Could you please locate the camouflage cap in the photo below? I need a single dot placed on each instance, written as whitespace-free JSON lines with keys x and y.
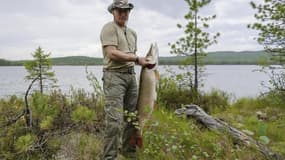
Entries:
{"x":120,"y":4}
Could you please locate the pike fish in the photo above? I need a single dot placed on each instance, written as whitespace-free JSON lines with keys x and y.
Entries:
{"x":147,"y":87}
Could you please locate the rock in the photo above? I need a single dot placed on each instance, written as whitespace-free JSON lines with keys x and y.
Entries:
{"x":261,"y":116}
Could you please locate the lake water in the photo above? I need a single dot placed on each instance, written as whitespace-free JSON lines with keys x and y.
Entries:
{"x":239,"y":80}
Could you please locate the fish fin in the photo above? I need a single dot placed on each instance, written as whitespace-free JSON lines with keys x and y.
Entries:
{"x":155,"y":106}
{"x":136,"y":140}
{"x":139,"y":142}
{"x":155,"y":97}
{"x":157,"y":76}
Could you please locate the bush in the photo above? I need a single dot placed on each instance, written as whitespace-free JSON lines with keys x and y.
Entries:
{"x":83,"y":115}
{"x":214,"y":100}
{"x":172,"y":96}
{"x":276,"y":89}
{"x":53,"y":116}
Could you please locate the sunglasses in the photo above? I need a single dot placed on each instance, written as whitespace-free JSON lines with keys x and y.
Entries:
{"x":122,"y":10}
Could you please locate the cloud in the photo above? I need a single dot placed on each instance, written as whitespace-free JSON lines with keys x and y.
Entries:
{"x":170,"y":8}
{"x":72,"y":27}
{"x":233,"y":16}
{"x":154,"y":27}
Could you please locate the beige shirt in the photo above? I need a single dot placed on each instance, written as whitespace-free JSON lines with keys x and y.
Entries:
{"x":124,"y":38}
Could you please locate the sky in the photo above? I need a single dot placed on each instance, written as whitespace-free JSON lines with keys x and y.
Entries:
{"x":72,"y":27}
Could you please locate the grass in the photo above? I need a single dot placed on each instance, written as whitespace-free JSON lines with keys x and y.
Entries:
{"x":166,"y":137}
{"x":172,"y":137}
{"x":243,"y":115}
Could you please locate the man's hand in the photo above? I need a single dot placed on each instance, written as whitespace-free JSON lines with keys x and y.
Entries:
{"x":117,"y":55}
{"x":143,"y":61}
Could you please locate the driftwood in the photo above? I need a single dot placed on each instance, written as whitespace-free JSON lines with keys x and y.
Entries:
{"x":215,"y":124}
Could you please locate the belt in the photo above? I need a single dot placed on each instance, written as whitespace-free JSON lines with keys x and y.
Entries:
{"x":129,"y":70}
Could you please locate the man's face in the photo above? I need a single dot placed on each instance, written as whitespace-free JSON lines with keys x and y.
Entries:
{"x":121,"y":16}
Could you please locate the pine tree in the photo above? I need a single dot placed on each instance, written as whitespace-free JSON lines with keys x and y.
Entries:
{"x":196,"y":39}
{"x":39,"y":68}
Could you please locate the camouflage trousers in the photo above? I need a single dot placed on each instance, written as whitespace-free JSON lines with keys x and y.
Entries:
{"x":121,"y":94}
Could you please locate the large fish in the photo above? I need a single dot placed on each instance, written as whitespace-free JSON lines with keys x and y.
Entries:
{"x":147,"y":87}
{"x":147,"y":93}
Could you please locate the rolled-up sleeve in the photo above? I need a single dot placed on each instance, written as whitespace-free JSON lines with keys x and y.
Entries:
{"x":109,"y":36}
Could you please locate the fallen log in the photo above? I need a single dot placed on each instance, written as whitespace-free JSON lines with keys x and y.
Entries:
{"x":215,"y":124}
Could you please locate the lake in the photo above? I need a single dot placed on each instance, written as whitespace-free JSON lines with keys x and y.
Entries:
{"x":238,"y":80}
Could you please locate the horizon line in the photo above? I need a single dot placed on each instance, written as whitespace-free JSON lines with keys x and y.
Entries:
{"x":170,"y":55}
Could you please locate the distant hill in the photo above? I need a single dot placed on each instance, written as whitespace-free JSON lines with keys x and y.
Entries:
{"x":225,"y":57}
{"x":71,"y":60}
{"x":217,"y":58}
{"x":244,"y":57}
{"x":4,"y":62}
{"x":77,"y":60}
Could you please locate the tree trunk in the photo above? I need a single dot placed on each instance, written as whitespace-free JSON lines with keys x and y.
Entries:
{"x":195,"y":55}
{"x":212,"y":123}
{"x":28,"y":113}
{"x":41,"y":76}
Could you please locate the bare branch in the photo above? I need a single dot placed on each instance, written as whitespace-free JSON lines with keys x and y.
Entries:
{"x":28,"y":113}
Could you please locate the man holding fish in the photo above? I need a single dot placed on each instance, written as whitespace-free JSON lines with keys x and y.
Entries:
{"x":119,"y":44}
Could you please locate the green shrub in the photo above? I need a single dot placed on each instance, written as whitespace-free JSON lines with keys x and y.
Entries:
{"x":172,"y":96}
{"x":83,"y":115}
{"x":24,"y":143}
{"x":214,"y":100}
{"x":53,"y":116}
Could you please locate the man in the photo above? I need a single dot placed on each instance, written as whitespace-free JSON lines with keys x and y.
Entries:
{"x":119,"y":45}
